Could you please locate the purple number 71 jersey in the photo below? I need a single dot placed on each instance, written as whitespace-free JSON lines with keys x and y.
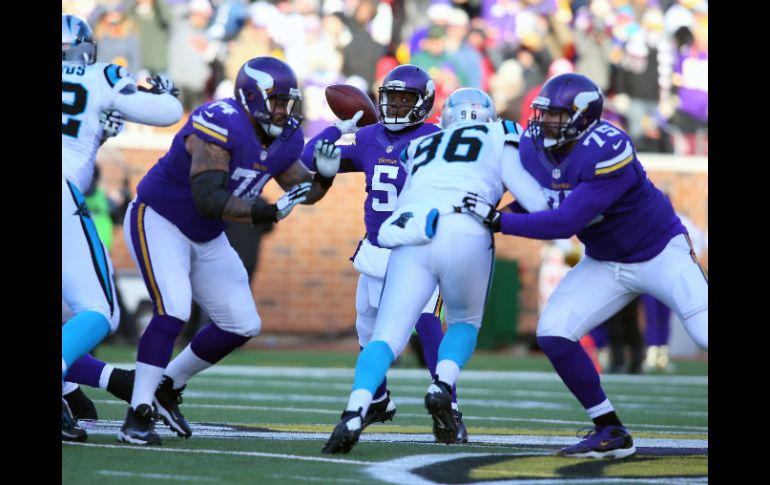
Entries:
{"x":375,"y":152}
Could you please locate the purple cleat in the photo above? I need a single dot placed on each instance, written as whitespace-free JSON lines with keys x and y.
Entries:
{"x":602,"y":442}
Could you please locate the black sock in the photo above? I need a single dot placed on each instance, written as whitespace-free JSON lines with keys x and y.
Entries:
{"x":609,"y":419}
{"x":121,"y":384}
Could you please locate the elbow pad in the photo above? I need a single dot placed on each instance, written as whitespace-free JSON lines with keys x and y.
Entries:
{"x":209,"y":192}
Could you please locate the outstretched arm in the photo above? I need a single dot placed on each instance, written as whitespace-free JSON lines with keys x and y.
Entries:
{"x":583,"y":205}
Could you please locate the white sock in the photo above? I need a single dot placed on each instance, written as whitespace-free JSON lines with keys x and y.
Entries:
{"x":146,"y":381}
{"x":68,"y":387}
{"x":360,"y":398}
{"x":104,"y":377}
{"x":603,"y":407}
{"x":184,"y":366}
{"x":447,"y":371}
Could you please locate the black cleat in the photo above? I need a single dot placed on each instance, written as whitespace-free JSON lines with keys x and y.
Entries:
{"x":438,"y":402}
{"x":69,"y":428}
{"x":462,"y":432}
{"x":121,"y":384}
{"x":139,"y":427}
{"x":380,"y":412}
{"x":166,"y":402}
{"x":81,"y":406}
{"x":345,"y":434}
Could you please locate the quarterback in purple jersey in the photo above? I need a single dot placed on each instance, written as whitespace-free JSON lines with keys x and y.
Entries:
{"x":635,"y":243}
{"x":217,"y":165}
{"x":405,"y":102}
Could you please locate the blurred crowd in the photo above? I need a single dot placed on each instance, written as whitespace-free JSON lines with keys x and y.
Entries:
{"x":649,"y":56}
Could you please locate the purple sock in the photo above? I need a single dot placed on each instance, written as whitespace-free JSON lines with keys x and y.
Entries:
{"x":212,"y":343}
{"x":86,"y":370}
{"x":430,"y":332}
{"x":157,"y":342}
{"x":575,"y":369}
{"x":657,"y":316}
{"x":601,"y":335}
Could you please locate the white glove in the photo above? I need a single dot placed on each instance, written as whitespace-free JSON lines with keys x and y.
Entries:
{"x":111,"y":123}
{"x":293,"y":196}
{"x":349,"y":126}
{"x":482,"y":210}
{"x":327,"y":157}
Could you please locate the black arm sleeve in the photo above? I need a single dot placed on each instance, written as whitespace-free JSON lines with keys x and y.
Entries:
{"x":209,"y":192}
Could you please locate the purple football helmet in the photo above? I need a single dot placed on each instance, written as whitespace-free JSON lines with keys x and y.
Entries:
{"x":578,"y":102}
{"x":406,"y":78}
{"x":267,"y":88}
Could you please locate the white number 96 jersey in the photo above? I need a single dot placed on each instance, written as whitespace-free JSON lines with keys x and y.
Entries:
{"x":468,"y":157}
{"x":86,"y":91}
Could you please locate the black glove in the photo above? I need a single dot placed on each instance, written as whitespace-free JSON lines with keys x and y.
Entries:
{"x":482,"y":210}
{"x":161,"y":85}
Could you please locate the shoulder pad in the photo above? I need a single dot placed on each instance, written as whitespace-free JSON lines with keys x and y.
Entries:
{"x":113,"y":73}
{"x":212,"y":123}
{"x":512,"y":132}
{"x":614,"y":157}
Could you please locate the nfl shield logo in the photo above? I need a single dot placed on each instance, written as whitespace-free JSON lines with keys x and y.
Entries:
{"x":389,"y":148}
{"x":263,"y":155}
{"x":556,"y":173}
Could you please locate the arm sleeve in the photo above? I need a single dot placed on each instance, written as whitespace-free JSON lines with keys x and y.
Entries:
{"x":521,"y":183}
{"x":582,"y":206}
{"x":146,"y":108}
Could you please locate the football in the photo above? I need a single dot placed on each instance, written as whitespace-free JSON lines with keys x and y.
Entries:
{"x":346,"y":100}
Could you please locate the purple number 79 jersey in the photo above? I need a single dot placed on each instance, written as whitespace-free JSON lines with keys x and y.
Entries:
{"x":375,"y":152}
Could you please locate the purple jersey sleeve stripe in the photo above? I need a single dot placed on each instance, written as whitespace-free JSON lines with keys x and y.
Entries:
{"x":210,"y":132}
{"x":585,"y":203}
{"x":615,"y":167}
{"x":139,"y":240}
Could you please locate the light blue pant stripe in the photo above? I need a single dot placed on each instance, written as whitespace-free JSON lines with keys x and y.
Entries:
{"x":373,"y":363}
{"x":458,"y":343}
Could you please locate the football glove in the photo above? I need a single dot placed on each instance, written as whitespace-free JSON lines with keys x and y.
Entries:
{"x":111,"y":123}
{"x":482,"y":210}
{"x":349,"y":126}
{"x":161,"y":85}
{"x":327,"y":158}
{"x":293,"y":196}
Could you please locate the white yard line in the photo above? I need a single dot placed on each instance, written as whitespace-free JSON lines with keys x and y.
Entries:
{"x":470,"y":375}
{"x":226,"y":432}
{"x":663,"y":428}
{"x":157,"y":476}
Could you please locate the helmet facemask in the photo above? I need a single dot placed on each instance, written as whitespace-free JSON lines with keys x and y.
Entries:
{"x":400,"y":108}
{"x":551,"y":128}
{"x":280,"y":113}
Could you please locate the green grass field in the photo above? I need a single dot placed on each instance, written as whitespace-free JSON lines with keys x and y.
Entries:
{"x":262,"y":417}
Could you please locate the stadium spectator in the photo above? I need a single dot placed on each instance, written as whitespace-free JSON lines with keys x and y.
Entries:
{"x":593,"y":41}
{"x":153,"y":20}
{"x":117,"y":39}
{"x":189,"y":56}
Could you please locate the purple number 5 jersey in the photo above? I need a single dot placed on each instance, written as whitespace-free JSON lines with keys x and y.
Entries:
{"x":375,"y":152}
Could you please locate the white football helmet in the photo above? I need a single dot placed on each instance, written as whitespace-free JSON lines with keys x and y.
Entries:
{"x":468,"y":104}
{"x":77,"y":41}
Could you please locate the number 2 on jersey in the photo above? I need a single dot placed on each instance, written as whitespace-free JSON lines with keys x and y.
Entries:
{"x":73,"y":108}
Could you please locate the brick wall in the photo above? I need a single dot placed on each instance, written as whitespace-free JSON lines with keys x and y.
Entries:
{"x":305,"y":282}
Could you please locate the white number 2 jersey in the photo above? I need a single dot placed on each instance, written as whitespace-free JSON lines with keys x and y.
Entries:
{"x":468,"y":157}
{"x":86,"y":90}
